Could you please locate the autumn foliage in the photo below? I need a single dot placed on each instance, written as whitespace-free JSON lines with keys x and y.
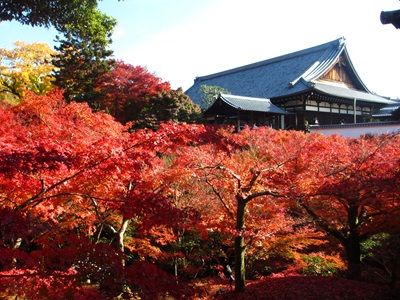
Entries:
{"x":70,"y":182}
{"x":133,"y":94}
{"x":127,"y":90}
{"x":26,"y":67}
{"x":92,"y":210}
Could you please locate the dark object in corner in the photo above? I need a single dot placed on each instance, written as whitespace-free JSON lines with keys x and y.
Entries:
{"x":391,"y":17}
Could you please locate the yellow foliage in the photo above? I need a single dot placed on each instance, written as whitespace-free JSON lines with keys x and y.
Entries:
{"x":26,"y":67}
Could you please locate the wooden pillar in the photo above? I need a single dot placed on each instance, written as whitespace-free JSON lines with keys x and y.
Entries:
{"x":355,"y":110}
{"x":238,"y":120}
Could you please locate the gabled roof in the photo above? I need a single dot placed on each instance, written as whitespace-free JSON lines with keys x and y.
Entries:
{"x":243,"y":104}
{"x":285,"y":75}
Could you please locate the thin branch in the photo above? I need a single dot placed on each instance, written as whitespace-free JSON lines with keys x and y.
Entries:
{"x":36,"y":198}
{"x":321,"y":223}
{"x":9,"y":200}
{"x":220,"y":198}
{"x":96,"y":209}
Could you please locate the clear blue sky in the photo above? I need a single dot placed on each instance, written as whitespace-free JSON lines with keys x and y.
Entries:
{"x":180,"y":39}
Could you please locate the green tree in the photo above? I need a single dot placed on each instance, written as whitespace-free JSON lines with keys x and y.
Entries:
{"x":48,"y":13}
{"x":86,"y":35}
{"x":84,"y":56}
{"x":169,"y":105}
{"x":209,"y":94}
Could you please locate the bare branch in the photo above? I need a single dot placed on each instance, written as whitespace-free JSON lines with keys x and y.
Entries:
{"x":221,"y":199}
{"x":320,"y":222}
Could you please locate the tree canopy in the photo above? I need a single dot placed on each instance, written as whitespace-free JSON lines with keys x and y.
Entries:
{"x":84,"y":56}
{"x":26,"y":67}
{"x":168,"y":106}
{"x":125,"y":92}
{"x":133,"y":94}
{"x":57,"y":13}
{"x":210,"y":93}
{"x":90,"y":209}
{"x":85,"y":35}
{"x":50,"y":146}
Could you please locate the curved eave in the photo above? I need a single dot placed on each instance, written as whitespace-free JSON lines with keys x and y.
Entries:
{"x":350,"y":94}
{"x":388,"y":111}
{"x":240,"y":103}
{"x":327,"y":62}
{"x":230,"y":103}
{"x":323,"y":65}
{"x":355,"y":74}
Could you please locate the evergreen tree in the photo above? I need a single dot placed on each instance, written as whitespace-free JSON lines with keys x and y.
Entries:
{"x":84,"y":57}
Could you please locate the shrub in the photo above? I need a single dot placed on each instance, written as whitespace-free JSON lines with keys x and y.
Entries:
{"x":320,"y":265}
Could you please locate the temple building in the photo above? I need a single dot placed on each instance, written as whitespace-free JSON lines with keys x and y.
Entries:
{"x":318,"y":84}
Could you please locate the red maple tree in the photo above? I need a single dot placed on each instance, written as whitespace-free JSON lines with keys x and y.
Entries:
{"x":349,"y":188}
{"x":72,"y":183}
{"x":83,"y":199}
{"x":127,"y":90}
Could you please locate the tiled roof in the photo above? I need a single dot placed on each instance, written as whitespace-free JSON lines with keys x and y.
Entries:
{"x":284,"y":75}
{"x":246,"y":104}
{"x":349,"y":93}
{"x":388,"y":111}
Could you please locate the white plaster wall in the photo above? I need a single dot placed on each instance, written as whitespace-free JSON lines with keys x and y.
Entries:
{"x":354,"y":131}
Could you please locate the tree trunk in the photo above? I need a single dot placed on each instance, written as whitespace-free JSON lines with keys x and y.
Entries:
{"x":240,"y":271}
{"x":352,"y":244}
{"x":120,"y":236}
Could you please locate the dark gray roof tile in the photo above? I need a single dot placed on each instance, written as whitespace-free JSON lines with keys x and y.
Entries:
{"x":350,"y":93}
{"x":286,"y":75}
{"x":270,"y":78}
{"x":388,"y":111}
{"x":249,"y":104}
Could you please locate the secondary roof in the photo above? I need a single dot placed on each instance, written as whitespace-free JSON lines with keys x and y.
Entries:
{"x":230,"y":103}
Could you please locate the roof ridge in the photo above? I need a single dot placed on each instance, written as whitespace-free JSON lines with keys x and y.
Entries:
{"x":224,"y":98}
{"x":273,"y":59}
{"x":244,"y":97}
{"x":248,"y":103}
